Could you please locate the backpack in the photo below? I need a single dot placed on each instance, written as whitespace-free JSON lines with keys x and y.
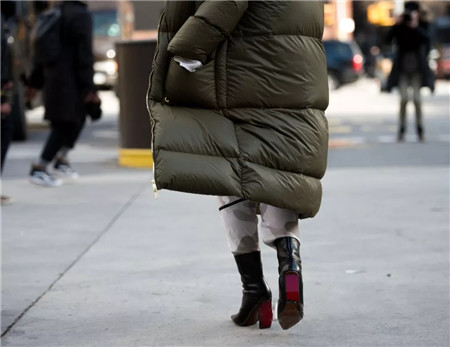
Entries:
{"x":47,"y":36}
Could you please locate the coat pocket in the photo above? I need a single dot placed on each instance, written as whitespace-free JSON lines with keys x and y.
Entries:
{"x":191,"y":89}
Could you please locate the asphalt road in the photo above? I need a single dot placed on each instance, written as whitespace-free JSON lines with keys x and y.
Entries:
{"x":364,"y":123}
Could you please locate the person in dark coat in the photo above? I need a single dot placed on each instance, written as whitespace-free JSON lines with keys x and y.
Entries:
{"x":6,"y":99}
{"x":68,"y":88}
{"x":410,"y":68}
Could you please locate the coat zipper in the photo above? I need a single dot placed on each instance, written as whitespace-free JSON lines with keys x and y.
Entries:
{"x":155,"y":188}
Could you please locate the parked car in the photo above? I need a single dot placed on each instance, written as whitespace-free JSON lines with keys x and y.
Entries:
{"x":442,"y":42}
{"x":344,"y":62}
{"x":443,"y":62}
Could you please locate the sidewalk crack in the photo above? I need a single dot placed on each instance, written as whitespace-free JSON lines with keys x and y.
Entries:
{"x":77,"y":259}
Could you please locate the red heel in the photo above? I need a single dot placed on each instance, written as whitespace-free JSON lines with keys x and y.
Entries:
{"x":292,"y":311}
{"x":291,"y":280}
{"x":265,"y":314}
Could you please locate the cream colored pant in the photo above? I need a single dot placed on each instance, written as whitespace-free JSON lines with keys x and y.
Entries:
{"x":407,"y":82}
{"x":240,"y":220}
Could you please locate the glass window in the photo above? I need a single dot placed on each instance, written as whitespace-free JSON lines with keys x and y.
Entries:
{"x":106,"y":23}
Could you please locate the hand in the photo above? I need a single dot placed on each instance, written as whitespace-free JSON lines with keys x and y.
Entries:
{"x":30,"y":94}
{"x":92,"y":98}
{"x":6,"y":108}
{"x":93,"y":106}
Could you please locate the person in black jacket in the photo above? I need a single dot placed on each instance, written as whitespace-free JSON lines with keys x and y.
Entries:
{"x":68,"y":89}
{"x":7,"y":126}
{"x":410,"y":68}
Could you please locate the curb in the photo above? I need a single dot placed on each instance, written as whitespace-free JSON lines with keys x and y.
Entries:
{"x":138,"y":158}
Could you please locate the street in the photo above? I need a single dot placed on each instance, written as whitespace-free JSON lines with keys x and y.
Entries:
{"x":103,"y":263}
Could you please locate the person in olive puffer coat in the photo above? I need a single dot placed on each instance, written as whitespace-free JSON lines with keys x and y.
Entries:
{"x":237,"y":96}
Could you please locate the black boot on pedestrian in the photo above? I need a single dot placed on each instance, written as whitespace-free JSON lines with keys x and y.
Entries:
{"x":290,"y":302}
{"x":257,"y":297}
{"x":401,"y":135}
{"x":420,"y":134}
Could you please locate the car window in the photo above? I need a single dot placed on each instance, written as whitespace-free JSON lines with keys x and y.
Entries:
{"x":442,"y":30}
{"x":106,"y":23}
{"x":337,"y":48}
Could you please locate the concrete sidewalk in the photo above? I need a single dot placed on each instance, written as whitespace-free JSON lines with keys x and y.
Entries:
{"x":102,"y":263}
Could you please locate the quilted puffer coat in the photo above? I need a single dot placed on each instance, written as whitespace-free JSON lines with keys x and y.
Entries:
{"x":250,"y":122}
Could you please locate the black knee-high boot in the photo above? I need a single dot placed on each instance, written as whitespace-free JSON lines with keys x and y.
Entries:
{"x":256,"y":296}
{"x":290,"y":303}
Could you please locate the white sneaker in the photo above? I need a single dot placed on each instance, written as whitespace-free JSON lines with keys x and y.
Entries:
{"x":63,"y":170}
{"x":41,"y":177}
{"x":6,"y":200}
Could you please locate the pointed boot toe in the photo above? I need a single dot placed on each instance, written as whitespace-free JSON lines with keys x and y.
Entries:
{"x":290,"y":303}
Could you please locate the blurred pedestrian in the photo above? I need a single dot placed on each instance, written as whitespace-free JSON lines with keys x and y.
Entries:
{"x":237,"y":96}
{"x":69,"y":91}
{"x":410,"y":69}
{"x":6,"y":100}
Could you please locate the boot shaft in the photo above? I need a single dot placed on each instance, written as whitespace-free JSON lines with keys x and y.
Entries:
{"x":288,"y":253}
{"x":250,"y":268}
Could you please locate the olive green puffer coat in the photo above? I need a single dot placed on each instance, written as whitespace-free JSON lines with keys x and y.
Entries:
{"x":250,"y":122}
